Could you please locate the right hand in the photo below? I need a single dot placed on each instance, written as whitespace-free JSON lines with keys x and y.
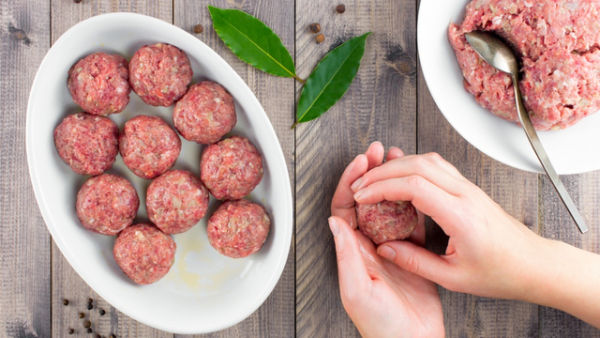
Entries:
{"x":489,"y":252}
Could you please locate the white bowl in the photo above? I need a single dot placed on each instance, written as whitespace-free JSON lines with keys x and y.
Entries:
{"x":572,"y":150}
{"x":204,"y":291}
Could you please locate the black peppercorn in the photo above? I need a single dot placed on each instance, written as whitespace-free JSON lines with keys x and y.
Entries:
{"x":102,"y":312}
{"x":65,"y":302}
{"x":315,"y":27}
{"x":198,"y":29}
{"x":90,"y":330}
{"x":81,"y":315}
{"x":87,"y":324}
{"x":341,"y":8}
{"x":71,"y":330}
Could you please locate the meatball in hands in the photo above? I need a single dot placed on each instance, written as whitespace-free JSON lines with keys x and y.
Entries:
{"x":381,"y":298}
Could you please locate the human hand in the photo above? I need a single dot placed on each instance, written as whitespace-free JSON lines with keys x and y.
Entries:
{"x":489,"y":252}
{"x":381,"y":299}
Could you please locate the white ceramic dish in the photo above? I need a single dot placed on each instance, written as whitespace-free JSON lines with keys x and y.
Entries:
{"x":573,"y":150}
{"x":204,"y":291}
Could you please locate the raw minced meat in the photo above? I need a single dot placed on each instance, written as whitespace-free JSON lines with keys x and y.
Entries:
{"x":87,"y":143}
{"x":176,"y":201}
{"x":99,"y":83}
{"x":107,"y":204}
{"x":160,"y":74}
{"x":231,"y":168}
{"x":144,"y":253}
{"x":238,"y":228}
{"x":149,"y":146}
{"x":205,"y":113}
{"x":387,"y":220}
{"x":559,"y":46}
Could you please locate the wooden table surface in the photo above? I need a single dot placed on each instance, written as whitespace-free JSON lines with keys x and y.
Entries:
{"x":388,"y":101}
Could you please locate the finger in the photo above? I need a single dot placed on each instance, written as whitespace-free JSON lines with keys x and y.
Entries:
{"x":428,"y":166}
{"x":418,"y":260}
{"x":428,"y":198}
{"x":394,"y":153}
{"x":342,"y":199}
{"x":352,"y":272}
{"x":375,"y":154}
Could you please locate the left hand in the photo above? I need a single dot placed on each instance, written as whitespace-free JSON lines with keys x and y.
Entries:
{"x":381,"y":299}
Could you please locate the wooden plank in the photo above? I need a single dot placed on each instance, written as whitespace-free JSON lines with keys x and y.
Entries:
{"x":24,"y":241}
{"x":557,"y":224}
{"x":65,"y":282}
{"x":514,"y":190}
{"x":275,"y":318}
{"x":380,"y":105}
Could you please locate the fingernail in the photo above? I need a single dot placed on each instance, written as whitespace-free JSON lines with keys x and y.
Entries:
{"x":357,"y":184}
{"x":358,"y":195}
{"x":333,"y":226}
{"x":386,"y":252}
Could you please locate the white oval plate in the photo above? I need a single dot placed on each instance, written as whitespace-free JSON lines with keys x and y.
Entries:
{"x":204,"y":291}
{"x":572,"y":150}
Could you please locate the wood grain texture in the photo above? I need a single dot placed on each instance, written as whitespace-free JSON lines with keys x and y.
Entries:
{"x":275,"y":318}
{"x":65,"y":282}
{"x":24,"y":241}
{"x":380,"y":105}
{"x":556,"y":223}
{"x":514,"y":190}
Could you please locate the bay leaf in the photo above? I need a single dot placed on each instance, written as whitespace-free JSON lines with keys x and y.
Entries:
{"x":252,"y":41}
{"x":330,"y":79}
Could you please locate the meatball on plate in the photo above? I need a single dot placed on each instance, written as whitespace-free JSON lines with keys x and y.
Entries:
{"x":149,"y":278}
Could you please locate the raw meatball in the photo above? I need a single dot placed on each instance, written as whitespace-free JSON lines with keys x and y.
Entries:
{"x":149,"y":146}
{"x":386,"y":221}
{"x":238,"y":228}
{"x":557,"y":42}
{"x":107,"y":204}
{"x":87,"y":143}
{"x":144,"y":253}
{"x":176,"y":201}
{"x":231,"y":169}
{"x":205,"y":113}
{"x":160,"y":74}
{"x":99,"y":83}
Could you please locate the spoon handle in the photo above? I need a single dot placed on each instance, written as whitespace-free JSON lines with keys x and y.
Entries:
{"x":545,"y":160}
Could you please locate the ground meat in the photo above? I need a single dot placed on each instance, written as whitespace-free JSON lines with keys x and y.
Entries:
{"x":144,"y":253}
{"x":107,"y":204}
{"x":231,"y":169}
{"x":149,"y":146}
{"x":205,"y":113}
{"x":238,"y":228}
{"x":160,"y":74}
{"x":176,"y":201}
{"x":386,"y":221}
{"x":99,"y":83}
{"x":559,"y":45}
{"x":87,"y":143}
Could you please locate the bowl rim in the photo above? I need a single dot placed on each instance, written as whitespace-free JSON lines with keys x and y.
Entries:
{"x":425,"y":60}
{"x":279,"y":156}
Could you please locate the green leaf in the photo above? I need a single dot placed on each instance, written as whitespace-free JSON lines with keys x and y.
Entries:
{"x":330,"y":79}
{"x":252,"y":41}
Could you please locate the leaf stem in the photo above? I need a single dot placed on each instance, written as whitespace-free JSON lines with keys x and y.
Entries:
{"x":294,"y":125}
{"x":299,"y":79}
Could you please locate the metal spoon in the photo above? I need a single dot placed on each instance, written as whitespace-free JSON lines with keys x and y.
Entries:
{"x":495,"y":52}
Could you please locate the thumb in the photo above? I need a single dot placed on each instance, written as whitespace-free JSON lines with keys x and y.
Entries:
{"x":418,"y":260}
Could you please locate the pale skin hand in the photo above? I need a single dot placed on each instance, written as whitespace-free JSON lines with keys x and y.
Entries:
{"x":489,"y":252}
{"x":381,"y":299}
